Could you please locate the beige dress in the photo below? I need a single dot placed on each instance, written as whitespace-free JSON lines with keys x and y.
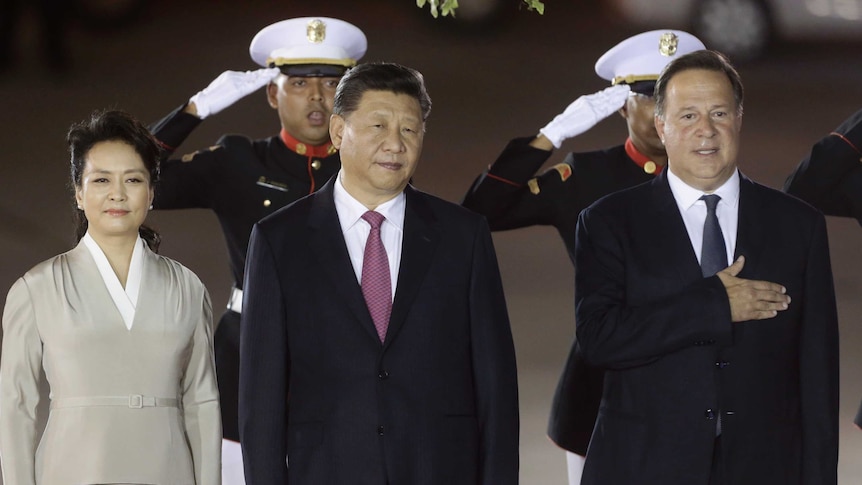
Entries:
{"x":135,"y":405}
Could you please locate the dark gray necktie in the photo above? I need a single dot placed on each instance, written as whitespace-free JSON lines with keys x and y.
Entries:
{"x":713,"y":254}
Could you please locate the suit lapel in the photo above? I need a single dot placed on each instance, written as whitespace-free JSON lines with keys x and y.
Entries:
{"x":750,"y":232}
{"x":670,"y":232}
{"x":420,"y":239}
{"x":328,"y":246}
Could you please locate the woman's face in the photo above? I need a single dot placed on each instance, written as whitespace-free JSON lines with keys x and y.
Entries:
{"x":115,"y":191}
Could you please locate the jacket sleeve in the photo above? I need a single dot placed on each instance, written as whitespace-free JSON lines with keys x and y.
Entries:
{"x":190,"y":181}
{"x":172,"y":130}
{"x":494,"y":369}
{"x":20,"y":371}
{"x":503,"y":192}
{"x":264,"y":369}
{"x":202,"y":418}
{"x":614,"y":334}
{"x":830,"y":177}
{"x":819,"y":365}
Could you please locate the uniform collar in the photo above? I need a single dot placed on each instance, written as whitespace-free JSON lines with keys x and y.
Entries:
{"x":319,"y":151}
{"x":642,"y":160}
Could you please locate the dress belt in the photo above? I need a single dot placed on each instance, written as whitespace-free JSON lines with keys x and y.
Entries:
{"x":234,"y":303}
{"x":134,"y":401}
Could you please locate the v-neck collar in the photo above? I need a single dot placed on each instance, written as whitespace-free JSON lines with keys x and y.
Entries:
{"x":125,"y":299}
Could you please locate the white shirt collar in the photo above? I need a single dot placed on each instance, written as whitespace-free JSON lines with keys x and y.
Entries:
{"x":686,"y":195}
{"x":350,"y":210}
{"x":125,"y":299}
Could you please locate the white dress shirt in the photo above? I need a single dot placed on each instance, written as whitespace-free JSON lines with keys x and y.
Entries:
{"x":125,"y":299}
{"x":693,"y":211}
{"x":356,"y":230}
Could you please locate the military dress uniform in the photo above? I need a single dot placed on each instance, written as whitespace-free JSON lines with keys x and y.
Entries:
{"x":830,"y":177}
{"x":241,"y":180}
{"x":510,"y":197}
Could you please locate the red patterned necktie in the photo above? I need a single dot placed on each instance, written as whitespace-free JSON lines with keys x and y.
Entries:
{"x":376,"y":280}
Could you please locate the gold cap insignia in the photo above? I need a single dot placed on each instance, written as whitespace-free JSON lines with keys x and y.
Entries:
{"x":667,"y":44}
{"x":315,"y":31}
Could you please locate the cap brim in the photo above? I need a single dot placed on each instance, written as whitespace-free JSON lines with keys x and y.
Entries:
{"x":312,"y":70}
{"x":647,"y":88}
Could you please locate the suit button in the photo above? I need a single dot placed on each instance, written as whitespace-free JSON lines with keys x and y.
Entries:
{"x":709,"y":414}
{"x":315,"y":164}
{"x":383,"y":375}
{"x":380,"y":430}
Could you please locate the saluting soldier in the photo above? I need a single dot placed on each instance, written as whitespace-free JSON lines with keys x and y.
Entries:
{"x":510,"y":195}
{"x":242,"y":180}
{"x":830,"y":177}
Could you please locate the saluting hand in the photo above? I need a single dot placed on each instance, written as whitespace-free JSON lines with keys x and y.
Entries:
{"x":228,"y":88}
{"x":752,"y":299}
{"x":584,"y":113}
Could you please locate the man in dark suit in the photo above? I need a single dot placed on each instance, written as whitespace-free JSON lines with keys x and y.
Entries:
{"x":375,"y":345}
{"x":511,"y":195}
{"x":716,"y":374}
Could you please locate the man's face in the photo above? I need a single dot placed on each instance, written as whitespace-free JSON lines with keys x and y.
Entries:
{"x":700,"y":128}
{"x":304,"y":105}
{"x":380,"y":144}
{"x":639,"y":112}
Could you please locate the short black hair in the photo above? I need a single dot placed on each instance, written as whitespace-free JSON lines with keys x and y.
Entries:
{"x":382,"y":76}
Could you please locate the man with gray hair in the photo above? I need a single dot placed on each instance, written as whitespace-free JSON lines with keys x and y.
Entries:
{"x":716,"y":373}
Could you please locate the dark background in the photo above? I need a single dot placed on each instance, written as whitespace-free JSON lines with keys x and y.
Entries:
{"x":487,"y":86}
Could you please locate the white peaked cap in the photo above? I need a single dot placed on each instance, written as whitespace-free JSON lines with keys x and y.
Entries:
{"x":643,"y":56}
{"x":308,"y":40}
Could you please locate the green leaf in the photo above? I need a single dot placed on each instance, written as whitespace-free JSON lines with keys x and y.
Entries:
{"x":536,"y":5}
{"x":449,"y":7}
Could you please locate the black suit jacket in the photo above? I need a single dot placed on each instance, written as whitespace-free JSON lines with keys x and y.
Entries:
{"x":675,"y":361}
{"x":435,"y":403}
{"x":511,"y":196}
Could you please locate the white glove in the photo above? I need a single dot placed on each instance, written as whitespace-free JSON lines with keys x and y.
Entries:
{"x":584,"y":113}
{"x":230,"y":87}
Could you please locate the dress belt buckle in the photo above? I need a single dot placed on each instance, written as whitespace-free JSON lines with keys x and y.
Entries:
{"x":136,"y":401}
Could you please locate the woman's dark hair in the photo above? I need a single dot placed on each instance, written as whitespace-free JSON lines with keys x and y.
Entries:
{"x":112,"y":125}
{"x":380,"y":76}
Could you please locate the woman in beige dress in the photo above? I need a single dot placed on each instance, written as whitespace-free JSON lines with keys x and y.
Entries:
{"x":122,"y":335}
